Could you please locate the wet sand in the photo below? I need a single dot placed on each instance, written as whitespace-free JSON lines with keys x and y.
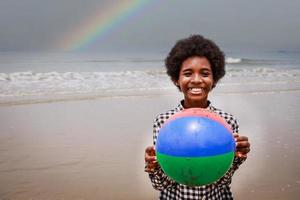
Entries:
{"x":93,"y":149}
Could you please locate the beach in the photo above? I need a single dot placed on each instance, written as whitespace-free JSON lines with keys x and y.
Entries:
{"x":93,"y":149}
{"x":75,"y":126}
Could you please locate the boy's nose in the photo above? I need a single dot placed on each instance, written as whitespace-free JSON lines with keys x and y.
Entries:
{"x":196,"y":78}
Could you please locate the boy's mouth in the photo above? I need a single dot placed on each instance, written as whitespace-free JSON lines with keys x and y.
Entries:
{"x":195,"y":90}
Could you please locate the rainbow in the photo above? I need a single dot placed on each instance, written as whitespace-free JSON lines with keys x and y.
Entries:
{"x":101,"y":24}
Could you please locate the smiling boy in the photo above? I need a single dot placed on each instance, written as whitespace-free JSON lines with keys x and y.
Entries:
{"x":195,"y":65}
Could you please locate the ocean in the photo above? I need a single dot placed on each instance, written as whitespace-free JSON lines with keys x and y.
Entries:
{"x":47,"y":77}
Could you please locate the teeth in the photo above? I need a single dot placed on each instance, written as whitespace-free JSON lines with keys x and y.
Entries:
{"x":196,"y":90}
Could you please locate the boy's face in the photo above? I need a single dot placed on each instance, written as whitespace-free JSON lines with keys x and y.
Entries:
{"x":195,"y":81}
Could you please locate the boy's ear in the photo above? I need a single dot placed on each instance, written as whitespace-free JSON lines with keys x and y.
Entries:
{"x":213,"y":86}
{"x":177,"y":85}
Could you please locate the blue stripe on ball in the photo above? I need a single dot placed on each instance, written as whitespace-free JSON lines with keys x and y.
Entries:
{"x":194,"y":137}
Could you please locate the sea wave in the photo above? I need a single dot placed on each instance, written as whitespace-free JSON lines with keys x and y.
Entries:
{"x":231,"y":60}
{"x":150,"y":76}
{"x":33,"y":86}
{"x":24,"y":84}
{"x":64,"y":76}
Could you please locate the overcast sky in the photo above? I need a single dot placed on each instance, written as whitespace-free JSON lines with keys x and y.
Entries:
{"x":37,"y":25}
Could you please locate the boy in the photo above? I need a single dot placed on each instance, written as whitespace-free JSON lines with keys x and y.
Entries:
{"x":195,"y":65}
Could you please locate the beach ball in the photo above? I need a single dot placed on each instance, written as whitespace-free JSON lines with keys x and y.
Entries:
{"x":195,"y":147}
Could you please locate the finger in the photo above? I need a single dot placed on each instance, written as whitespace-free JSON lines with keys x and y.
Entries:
{"x":243,"y":150}
{"x":150,"y":159}
{"x":241,"y":138}
{"x":150,"y":150}
{"x":149,"y":170}
{"x":240,"y":154}
{"x":235,"y":135}
{"x":242,"y":144}
{"x":150,"y":154}
{"x":150,"y":167}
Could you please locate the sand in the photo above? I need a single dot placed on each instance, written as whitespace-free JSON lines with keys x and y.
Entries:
{"x":93,"y":149}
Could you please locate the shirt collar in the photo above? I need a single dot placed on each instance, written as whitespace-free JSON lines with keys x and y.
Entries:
{"x":180,"y":106}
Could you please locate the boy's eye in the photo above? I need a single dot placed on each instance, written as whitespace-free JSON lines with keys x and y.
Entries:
{"x":205,"y":73}
{"x":187,"y":74}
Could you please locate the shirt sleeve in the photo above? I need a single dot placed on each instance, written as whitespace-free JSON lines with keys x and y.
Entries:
{"x":237,"y":161}
{"x":160,"y":181}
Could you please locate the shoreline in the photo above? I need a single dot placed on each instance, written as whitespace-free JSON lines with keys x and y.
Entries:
{"x":220,"y":90}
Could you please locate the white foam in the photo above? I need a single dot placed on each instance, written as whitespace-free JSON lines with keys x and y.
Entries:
{"x":54,"y":84}
{"x":231,"y":60}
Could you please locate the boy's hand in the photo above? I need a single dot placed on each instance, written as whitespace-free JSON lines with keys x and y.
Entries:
{"x":150,"y":159}
{"x":242,"y":146}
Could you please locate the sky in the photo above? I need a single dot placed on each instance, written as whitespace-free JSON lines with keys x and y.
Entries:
{"x":44,"y":25}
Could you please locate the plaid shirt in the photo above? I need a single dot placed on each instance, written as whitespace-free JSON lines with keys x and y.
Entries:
{"x":169,"y":189}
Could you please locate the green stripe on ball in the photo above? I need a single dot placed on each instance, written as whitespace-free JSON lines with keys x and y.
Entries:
{"x":195,"y":171}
